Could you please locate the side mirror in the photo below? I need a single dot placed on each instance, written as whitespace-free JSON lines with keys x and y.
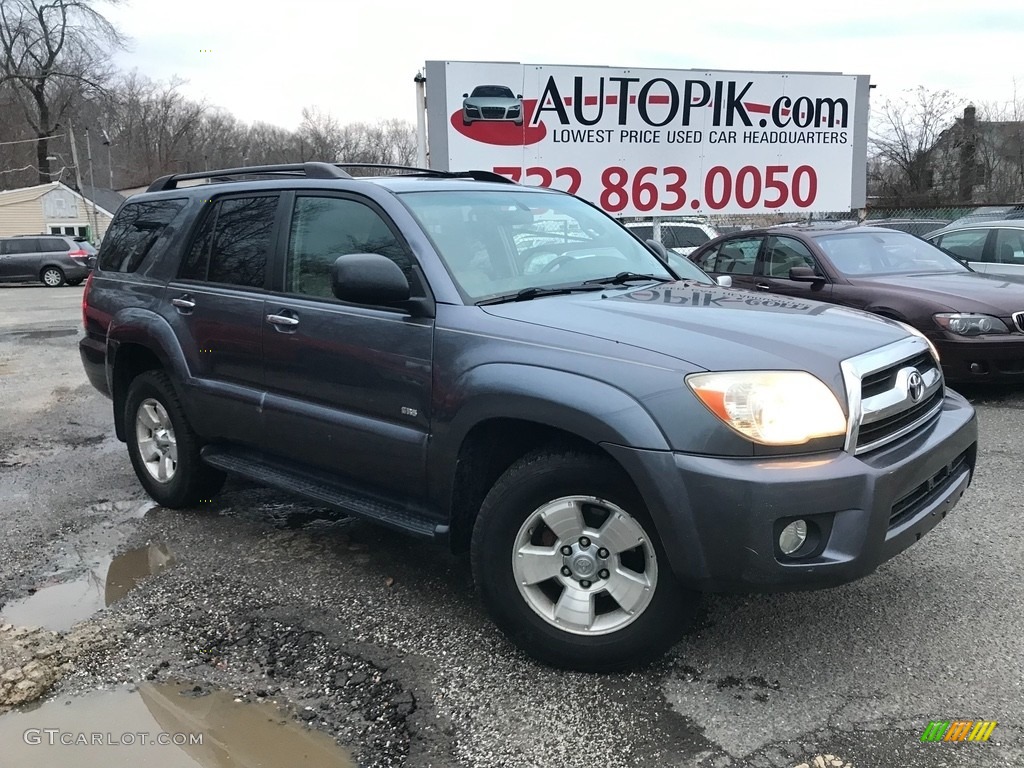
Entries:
{"x":725,"y":281}
{"x":465,"y":95}
{"x":805,"y":275}
{"x":368,"y":278}
{"x":91,"y":262}
{"x":659,"y":250}
{"x":519,"y":95}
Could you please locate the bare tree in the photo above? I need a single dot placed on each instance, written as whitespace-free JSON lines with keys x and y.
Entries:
{"x":905,"y":141}
{"x":52,"y":51}
{"x":389,"y":142}
{"x":1001,"y":148}
{"x":322,"y":134}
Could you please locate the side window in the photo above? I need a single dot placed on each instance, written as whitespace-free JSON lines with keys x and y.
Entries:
{"x":708,"y":260}
{"x":53,"y":244}
{"x":134,"y":231}
{"x":784,"y":253}
{"x":233,"y":244}
{"x":646,"y":232}
{"x":324,"y":228}
{"x":684,"y":237}
{"x":1009,"y":246}
{"x":21,"y":245}
{"x":737,"y":257}
{"x":967,"y":244}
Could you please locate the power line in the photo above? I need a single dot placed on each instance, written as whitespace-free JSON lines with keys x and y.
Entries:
{"x":32,"y":168}
{"x":31,"y":140}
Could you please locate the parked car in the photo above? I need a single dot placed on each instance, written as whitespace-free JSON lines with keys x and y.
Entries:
{"x":991,"y":213}
{"x":682,"y":237}
{"x":919,"y":227}
{"x":493,"y":103}
{"x":604,"y":435}
{"x":53,"y":260}
{"x":976,"y":321}
{"x":992,"y":247}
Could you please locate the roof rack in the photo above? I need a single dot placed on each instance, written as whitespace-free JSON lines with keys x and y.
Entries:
{"x":309,"y":170}
{"x":316,"y":170}
{"x":433,"y":172}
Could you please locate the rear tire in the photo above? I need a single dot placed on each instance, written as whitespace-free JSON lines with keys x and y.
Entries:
{"x":617,"y":606}
{"x":52,"y":277}
{"x":163,"y":447}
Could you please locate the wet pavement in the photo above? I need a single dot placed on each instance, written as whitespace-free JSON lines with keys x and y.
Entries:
{"x":379,"y":641}
{"x":170,"y":725}
{"x":61,"y":605}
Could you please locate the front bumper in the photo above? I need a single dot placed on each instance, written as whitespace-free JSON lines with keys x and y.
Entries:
{"x":982,"y":358}
{"x":719,"y":518}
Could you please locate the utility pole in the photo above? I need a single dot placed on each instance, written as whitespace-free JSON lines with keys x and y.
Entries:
{"x":74,"y":159}
{"x":92,"y":186}
{"x":110,"y":164}
{"x":421,"y":119}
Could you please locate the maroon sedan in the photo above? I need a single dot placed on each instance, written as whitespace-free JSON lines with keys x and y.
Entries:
{"x":976,"y":321}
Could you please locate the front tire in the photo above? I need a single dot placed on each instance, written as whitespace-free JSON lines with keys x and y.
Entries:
{"x":570,"y":566}
{"x":163,"y":447}
{"x":52,"y":277}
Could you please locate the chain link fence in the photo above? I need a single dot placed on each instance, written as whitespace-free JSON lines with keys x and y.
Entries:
{"x":925,"y":219}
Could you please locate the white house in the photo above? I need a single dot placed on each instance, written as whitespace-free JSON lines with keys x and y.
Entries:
{"x":56,"y":209}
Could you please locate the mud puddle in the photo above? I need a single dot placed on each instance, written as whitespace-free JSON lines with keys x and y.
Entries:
{"x":60,"y":606}
{"x":165,"y":725}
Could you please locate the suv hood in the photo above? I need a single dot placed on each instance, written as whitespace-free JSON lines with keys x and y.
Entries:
{"x":714,"y":328}
{"x":960,"y":291}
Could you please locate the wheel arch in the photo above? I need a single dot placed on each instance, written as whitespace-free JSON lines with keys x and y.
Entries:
{"x":504,"y":411}
{"x":139,"y":341}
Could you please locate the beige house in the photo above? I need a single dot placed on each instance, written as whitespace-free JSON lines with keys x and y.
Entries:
{"x":56,"y":209}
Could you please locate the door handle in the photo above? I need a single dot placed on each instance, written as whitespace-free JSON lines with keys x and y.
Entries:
{"x":184,"y":302}
{"x":763,"y":286}
{"x":283,"y":321}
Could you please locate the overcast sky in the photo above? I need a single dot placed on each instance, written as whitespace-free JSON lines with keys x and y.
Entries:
{"x":357,"y":58}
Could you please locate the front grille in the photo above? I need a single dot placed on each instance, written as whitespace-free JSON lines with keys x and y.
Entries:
{"x":895,"y":391}
{"x":885,"y":379}
{"x":493,"y":113}
{"x":924,"y":494}
{"x":877,"y":430}
{"x":1018,"y":320}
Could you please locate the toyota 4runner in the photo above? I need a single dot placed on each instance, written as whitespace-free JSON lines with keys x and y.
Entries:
{"x":508,"y":370}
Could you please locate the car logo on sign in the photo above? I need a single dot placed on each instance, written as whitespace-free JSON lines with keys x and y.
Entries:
{"x":915,"y":386}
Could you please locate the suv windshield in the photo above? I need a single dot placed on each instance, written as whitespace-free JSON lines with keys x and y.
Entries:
{"x":496,"y":242}
{"x":885,"y":253}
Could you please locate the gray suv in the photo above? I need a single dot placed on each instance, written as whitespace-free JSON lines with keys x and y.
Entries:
{"x":53,"y":260}
{"x":507,"y":371}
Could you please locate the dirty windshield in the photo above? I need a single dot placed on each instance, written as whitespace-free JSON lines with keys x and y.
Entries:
{"x":497,"y":242}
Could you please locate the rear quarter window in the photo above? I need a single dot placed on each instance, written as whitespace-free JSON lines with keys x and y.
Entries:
{"x":134,"y":232}
{"x":54,"y":244}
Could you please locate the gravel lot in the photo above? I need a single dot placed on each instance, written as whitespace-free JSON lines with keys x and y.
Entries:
{"x":379,"y":640}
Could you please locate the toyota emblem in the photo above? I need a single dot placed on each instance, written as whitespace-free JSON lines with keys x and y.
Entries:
{"x":915,"y":386}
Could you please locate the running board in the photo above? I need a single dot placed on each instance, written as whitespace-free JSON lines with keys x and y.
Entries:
{"x":323,"y":489}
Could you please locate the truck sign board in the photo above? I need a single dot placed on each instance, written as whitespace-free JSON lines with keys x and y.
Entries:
{"x":650,"y":142}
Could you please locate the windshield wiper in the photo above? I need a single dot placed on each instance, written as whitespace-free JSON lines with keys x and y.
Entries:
{"x":532,"y":293}
{"x":625,"y":277}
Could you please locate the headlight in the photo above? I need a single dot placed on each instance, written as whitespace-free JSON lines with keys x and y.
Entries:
{"x":970,"y":324}
{"x":771,"y":407}
{"x":912,"y":330}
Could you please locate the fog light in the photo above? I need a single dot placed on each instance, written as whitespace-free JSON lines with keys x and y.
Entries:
{"x":793,"y":537}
